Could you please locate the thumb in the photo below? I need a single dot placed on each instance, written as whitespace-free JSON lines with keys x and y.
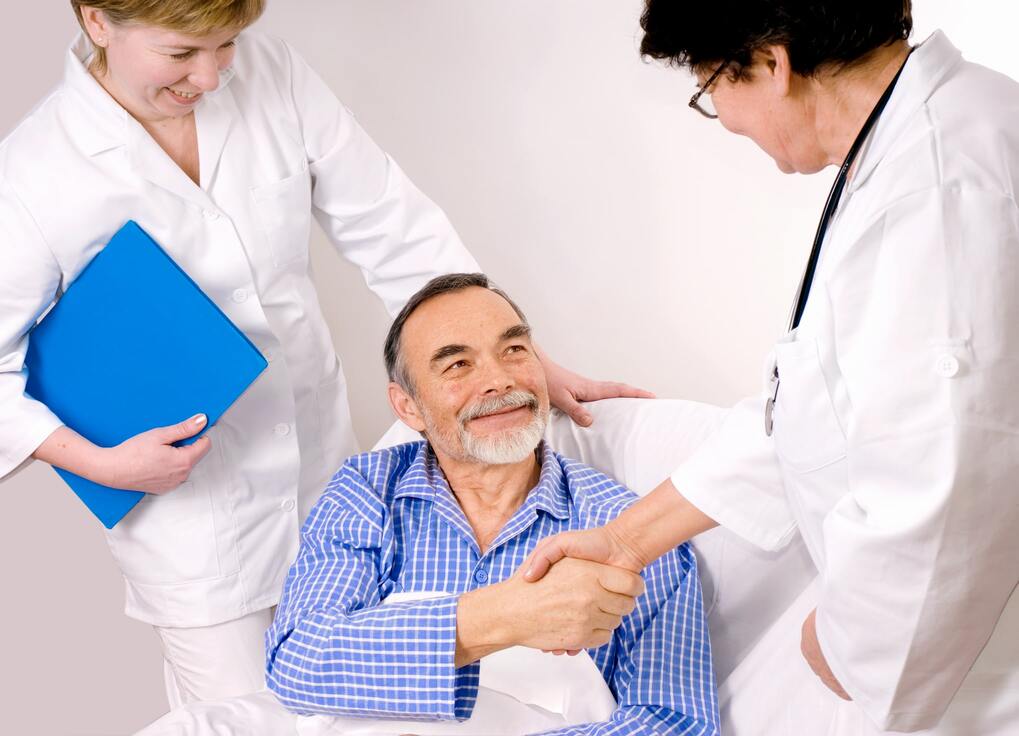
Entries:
{"x":197,"y":449}
{"x":182,"y":430}
{"x":547,"y":553}
{"x":574,"y":409}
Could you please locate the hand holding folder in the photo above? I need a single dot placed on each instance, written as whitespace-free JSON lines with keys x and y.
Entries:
{"x":134,"y":344}
{"x":159,"y":460}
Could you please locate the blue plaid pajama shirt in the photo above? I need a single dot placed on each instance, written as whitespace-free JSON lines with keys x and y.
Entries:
{"x":388,"y":522}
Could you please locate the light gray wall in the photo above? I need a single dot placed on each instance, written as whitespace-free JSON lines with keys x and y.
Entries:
{"x":645,"y":243}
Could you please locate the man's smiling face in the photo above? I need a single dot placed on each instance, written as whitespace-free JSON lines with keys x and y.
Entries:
{"x":478,"y":386}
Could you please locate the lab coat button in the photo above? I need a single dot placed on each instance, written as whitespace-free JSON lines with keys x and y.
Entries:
{"x":239,"y":296}
{"x":481,"y":575}
{"x":269,"y":354}
{"x":282,"y":429}
{"x":946,"y":366}
{"x":288,"y":504}
{"x":211,"y":215}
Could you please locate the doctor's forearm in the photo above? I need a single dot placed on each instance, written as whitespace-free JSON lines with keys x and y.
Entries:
{"x":68,"y":450}
{"x":659,"y":522}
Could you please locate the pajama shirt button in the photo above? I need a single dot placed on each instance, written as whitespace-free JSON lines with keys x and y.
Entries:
{"x":481,"y":576}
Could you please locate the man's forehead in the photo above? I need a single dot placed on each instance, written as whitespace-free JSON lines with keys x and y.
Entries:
{"x":460,"y":317}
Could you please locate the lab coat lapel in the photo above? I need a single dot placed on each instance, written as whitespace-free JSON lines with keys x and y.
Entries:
{"x":927,"y":66}
{"x":924,"y":72}
{"x":214,"y":118}
{"x":153,"y":163}
{"x":104,"y":123}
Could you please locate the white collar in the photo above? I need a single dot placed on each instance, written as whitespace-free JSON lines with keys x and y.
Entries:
{"x":103,"y":124}
{"x":923,"y":73}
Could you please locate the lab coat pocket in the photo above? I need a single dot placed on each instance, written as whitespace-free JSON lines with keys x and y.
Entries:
{"x":808,"y":435}
{"x":170,"y":538}
{"x":283,"y":210}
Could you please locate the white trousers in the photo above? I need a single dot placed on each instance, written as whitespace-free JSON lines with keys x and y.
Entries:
{"x":215,"y":662}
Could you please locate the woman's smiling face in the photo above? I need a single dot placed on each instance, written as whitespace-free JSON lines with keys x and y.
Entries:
{"x":156,"y":73}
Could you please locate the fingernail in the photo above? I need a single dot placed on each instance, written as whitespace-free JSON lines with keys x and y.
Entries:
{"x":199,"y":419}
{"x":528,"y":571}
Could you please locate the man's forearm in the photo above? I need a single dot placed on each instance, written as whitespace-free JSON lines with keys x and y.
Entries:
{"x":657,"y":523}
{"x":389,"y":660}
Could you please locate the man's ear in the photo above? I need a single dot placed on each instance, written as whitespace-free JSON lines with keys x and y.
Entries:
{"x":779,"y":68}
{"x":405,"y":407}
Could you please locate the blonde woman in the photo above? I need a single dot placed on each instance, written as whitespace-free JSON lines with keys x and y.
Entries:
{"x":221,"y":143}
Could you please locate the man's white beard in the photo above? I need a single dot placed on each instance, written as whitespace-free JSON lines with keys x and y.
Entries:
{"x":507,"y":447}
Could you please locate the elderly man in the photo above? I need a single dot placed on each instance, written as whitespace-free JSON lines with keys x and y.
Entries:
{"x":405,"y":585}
{"x":404,"y":612}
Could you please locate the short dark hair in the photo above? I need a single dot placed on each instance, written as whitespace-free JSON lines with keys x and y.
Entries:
{"x":395,"y":366}
{"x":817,"y":33}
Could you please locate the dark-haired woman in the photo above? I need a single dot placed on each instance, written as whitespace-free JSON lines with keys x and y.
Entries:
{"x":888,"y":433}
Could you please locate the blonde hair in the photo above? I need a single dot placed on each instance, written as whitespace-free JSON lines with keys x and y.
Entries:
{"x":193,"y":17}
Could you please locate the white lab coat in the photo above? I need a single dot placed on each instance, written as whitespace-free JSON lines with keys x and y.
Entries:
{"x":275,"y":146}
{"x":896,"y":439}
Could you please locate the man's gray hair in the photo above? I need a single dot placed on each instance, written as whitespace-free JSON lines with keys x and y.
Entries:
{"x":395,"y":365}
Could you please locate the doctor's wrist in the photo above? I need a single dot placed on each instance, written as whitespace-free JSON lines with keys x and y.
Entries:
{"x":627,"y":550}
{"x":103,"y":466}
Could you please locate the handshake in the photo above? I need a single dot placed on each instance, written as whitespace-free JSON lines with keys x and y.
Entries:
{"x":576,"y":605}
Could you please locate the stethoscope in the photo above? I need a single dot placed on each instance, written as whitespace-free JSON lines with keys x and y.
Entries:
{"x":832,"y":203}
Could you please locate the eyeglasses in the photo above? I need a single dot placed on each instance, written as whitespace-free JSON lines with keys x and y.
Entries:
{"x":707,"y":107}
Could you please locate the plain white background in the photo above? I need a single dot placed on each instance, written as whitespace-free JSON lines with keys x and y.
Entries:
{"x":645,"y":243}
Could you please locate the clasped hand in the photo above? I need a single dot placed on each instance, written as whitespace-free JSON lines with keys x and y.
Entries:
{"x":576,"y":605}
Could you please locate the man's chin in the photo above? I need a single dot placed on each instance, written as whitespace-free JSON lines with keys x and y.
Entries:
{"x":506,"y":447}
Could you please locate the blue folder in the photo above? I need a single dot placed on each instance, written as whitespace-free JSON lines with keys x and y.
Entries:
{"x":132,"y":345}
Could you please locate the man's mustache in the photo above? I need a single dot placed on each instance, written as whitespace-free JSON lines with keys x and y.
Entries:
{"x":512,"y":400}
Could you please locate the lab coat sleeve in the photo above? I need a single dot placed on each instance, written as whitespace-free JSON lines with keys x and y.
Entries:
{"x":29,"y":279}
{"x":921,"y":555}
{"x":371,"y":211}
{"x":333,"y":649}
{"x":734,"y":478}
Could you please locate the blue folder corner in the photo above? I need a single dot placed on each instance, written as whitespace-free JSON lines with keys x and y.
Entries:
{"x":132,"y":345}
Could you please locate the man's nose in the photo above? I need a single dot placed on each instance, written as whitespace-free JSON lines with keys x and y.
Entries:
{"x":496,"y":378}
